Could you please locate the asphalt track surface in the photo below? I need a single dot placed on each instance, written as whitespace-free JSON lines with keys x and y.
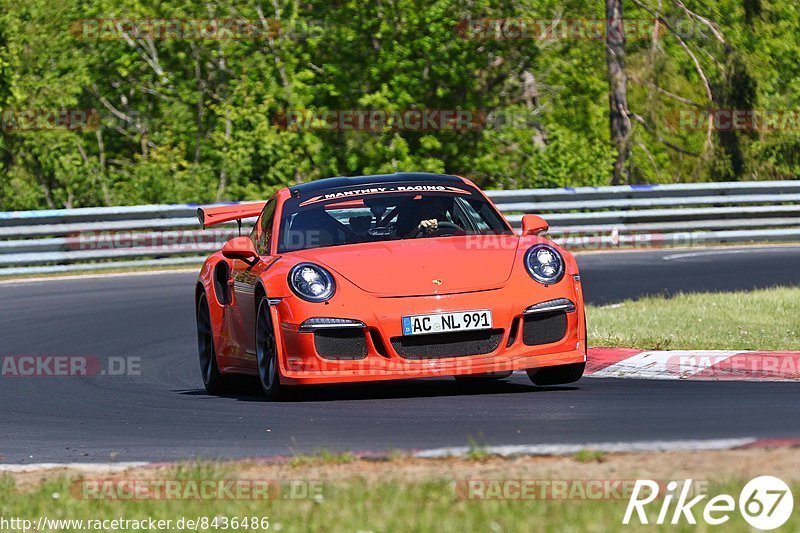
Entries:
{"x":164,"y":414}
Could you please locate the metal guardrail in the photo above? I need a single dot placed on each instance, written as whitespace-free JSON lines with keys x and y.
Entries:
{"x":63,"y":240}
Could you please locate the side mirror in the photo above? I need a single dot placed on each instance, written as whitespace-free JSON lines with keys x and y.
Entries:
{"x":240,"y":248}
{"x":534,"y":225}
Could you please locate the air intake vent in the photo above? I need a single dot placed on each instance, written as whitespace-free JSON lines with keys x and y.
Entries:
{"x":444,"y":345}
{"x":341,"y":343}
{"x":544,"y":328}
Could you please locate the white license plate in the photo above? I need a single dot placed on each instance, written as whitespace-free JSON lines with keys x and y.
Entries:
{"x":447,"y":322}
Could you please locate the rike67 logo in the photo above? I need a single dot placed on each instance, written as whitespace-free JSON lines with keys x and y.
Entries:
{"x":766,"y":503}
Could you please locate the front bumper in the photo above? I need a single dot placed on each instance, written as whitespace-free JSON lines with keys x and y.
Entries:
{"x":301,"y":362}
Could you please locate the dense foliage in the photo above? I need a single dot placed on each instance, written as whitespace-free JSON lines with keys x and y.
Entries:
{"x":187,"y":119}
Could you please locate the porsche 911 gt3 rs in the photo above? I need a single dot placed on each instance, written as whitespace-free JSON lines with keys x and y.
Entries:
{"x":394,"y":276}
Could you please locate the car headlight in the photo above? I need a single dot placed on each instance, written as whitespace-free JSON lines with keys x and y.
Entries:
{"x":544,"y":264}
{"x":311,"y":282}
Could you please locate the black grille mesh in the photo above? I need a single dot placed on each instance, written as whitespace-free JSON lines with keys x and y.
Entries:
{"x":544,"y":328}
{"x":341,"y":343}
{"x":444,"y":345}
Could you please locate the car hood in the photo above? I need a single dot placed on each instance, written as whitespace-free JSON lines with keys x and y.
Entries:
{"x":417,"y":267}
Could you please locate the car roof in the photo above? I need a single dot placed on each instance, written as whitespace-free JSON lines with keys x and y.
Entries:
{"x":356,"y":181}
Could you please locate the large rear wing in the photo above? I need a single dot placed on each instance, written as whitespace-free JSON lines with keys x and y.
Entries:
{"x":211,"y":216}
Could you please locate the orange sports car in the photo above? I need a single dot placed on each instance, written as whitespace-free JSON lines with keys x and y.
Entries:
{"x":393,"y":276}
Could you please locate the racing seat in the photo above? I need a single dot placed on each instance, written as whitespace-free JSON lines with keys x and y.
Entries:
{"x":360,"y":225}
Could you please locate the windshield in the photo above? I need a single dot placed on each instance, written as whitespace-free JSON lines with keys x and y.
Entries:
{"x":386,"y":213}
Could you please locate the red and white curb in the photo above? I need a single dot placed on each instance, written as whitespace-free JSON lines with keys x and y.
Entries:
{"x":693,"y":364}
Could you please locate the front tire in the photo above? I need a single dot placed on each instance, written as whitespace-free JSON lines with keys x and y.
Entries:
{"x":213,"y":380}
{"x":269,"y":374}
{"x":556,"y":375}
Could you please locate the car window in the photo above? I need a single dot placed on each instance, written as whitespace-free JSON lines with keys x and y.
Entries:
{"x":262,"y":233}
{"x":471,"y":210}
{"x":383,"y":214}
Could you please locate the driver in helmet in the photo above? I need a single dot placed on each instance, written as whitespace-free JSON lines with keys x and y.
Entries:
{"x":420,"y":216}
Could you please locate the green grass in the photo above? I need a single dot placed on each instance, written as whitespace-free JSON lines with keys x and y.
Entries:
{"x":425,"y":505}
{"x":478,"y":451}
{"x":756,"y":320}
{"x":323,"y":457}
{"x":589,"y":456}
